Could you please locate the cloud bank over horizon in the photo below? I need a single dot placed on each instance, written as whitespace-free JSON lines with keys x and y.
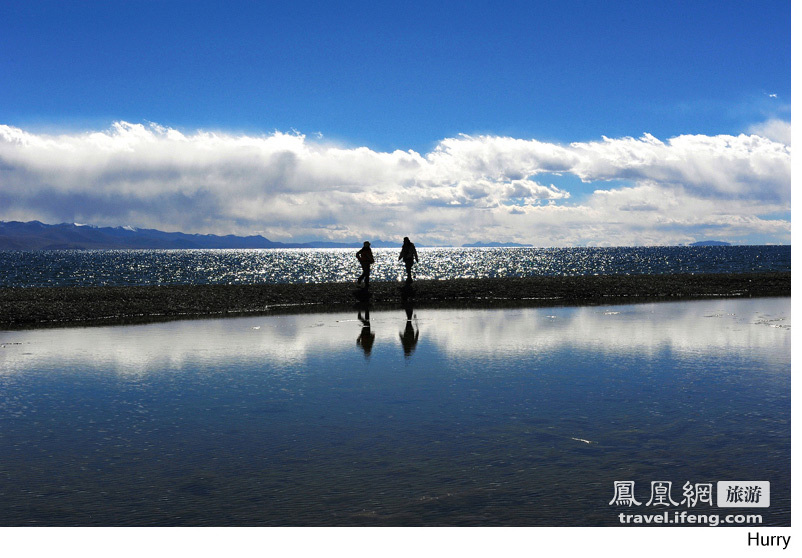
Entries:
{"x":285,"y":186}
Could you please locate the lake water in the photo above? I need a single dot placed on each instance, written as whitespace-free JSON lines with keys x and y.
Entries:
{"x":452,"y":417}
{"x":161,"y":267}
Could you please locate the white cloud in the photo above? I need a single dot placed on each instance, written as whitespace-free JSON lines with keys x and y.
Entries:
{"x":775,"y":130}
{"x":468,"y":188}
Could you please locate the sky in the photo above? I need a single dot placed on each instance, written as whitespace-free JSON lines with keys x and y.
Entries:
{"x":573,"y":123}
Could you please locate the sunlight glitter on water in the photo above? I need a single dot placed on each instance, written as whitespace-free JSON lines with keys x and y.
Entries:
{"x":159,"y":267}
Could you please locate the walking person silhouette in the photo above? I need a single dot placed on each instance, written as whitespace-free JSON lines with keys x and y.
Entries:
{"x":365,"y":257}
{"x":366,"y":337}
{"x":409,"y":338}
{"x":410,"y":256}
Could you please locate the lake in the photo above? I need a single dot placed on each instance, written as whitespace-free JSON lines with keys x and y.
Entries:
{"x":440,"y":417}
{"x":57,"y":268}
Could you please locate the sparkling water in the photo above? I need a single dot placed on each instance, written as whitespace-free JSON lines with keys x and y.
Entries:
{"x":163,"y":267}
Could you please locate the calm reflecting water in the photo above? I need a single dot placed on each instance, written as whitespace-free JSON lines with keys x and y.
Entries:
{"x":469,"y":417}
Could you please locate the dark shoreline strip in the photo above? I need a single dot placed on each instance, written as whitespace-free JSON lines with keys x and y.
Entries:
{"x":80,"y":306}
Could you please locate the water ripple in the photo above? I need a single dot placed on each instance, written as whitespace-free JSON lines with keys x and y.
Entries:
{"x":181,"y":267}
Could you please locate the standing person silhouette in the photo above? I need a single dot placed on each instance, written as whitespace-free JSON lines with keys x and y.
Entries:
{"x":410,"y":256}
{"x":365,"y":257}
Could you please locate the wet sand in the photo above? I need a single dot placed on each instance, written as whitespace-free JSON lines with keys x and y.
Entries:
{"x":79,"y":306}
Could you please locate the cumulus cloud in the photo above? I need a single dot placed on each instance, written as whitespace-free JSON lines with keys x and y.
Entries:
{"x":774,"y":129}
{"x":468,"y":188}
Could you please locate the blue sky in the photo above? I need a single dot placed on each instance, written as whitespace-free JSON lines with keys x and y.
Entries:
{"x":365,"y":80}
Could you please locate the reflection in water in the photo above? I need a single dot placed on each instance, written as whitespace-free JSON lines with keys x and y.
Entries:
{"x":705,"y":327}
{"x":492,"y":417}
{"x":723,"y":327}
{"x":409,"y":338}
{"x":366,"y":337}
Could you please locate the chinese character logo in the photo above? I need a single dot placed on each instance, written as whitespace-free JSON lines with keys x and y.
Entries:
{"x":699,"y":493}
{"x":661,"y":494}
{"x":744,"y":494}
{"x":624,"y":494}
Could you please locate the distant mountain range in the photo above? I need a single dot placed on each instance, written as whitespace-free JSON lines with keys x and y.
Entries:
{"x":710,"y":243}
{"x":34,"y":235}
{"x":496,"y":245}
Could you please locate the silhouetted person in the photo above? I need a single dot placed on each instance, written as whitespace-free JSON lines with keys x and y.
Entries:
{"x":410,"y":336}
{"x":365,"y":257}
{"x":409,"y":255}
{"x":366,"y":337}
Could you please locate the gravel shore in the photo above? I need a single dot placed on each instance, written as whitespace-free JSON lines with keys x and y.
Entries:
{"x":77,"y":306}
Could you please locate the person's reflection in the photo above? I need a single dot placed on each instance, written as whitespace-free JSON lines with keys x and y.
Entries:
{"x":366,"y":337}
{"x":409,"y":338}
